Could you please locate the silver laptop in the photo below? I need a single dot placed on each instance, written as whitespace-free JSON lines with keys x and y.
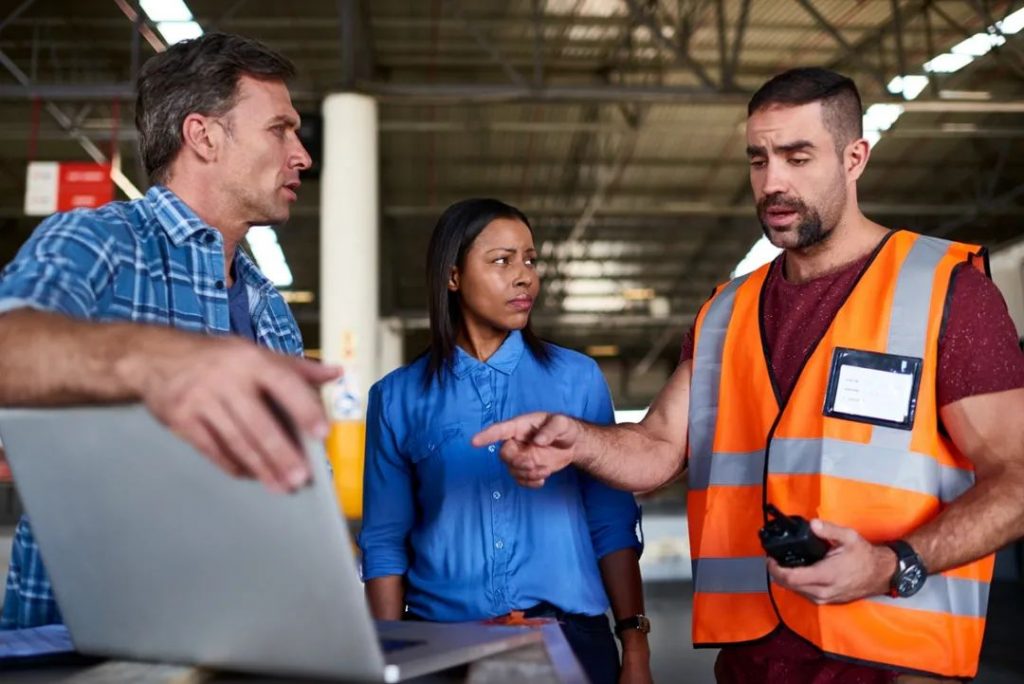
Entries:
{"x":156,"y":555}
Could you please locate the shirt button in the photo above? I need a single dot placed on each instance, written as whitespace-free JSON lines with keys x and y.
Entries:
{"x":219,"y":284}
{"x":208,"y":238}
{"x":491,"y":448}
{"x":499,"y":544}
{"x":496,"y":495}
{"x":487,"y":405}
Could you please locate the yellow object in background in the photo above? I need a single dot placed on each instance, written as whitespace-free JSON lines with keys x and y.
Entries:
{"x":345,"y":452}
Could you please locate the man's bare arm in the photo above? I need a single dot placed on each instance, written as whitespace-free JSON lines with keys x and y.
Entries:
{"x":213,"y":392}
{"x":634,"y":457}
{"x":988,"y":429}
{"x":51,"y":360}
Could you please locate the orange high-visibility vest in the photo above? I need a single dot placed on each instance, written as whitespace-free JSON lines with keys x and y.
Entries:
{"x":746,"y":447}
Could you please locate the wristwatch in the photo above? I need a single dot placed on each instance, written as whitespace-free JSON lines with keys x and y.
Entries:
{"x":638,"y":622}
{"x":910,"y":571}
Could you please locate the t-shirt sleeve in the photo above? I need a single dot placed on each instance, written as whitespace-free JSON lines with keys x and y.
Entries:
{"x":686,"y":352}
{"x":979,"y":351}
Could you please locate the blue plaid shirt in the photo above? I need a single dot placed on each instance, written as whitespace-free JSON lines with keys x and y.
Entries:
{"x":151,"y":260}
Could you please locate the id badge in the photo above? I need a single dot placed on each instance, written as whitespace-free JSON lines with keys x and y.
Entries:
{"x":875,"y":388}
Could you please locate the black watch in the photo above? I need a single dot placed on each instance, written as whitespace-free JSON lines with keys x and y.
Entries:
{"x":639,"y":623}
{"x":910,"y":571}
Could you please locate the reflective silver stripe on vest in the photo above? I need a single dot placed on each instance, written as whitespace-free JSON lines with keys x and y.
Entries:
{"x":941,"y":594}
{"x":869,"y":463}
{"x":746,"y":575}
{"x":728,"y":469}
{"x":707,"y":375}
{"x":908,"y":321}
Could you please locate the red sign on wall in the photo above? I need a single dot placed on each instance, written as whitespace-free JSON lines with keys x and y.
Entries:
{"x":83,"y":185}
{"x":60,"y":186}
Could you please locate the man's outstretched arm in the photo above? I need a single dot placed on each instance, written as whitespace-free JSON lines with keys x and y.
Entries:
{"x":632,"y":456}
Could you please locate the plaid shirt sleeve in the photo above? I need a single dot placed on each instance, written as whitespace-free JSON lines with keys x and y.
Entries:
{"x":64,"y":267}
{"x":28,"y":600}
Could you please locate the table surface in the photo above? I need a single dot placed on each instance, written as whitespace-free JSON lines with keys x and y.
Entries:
{"x":548,"y":662}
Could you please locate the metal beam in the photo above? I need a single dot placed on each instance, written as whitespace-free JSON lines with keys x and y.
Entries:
{"x":1002,"y":58}
{"x":347,"y":42}
{"x":66,"y":122}
{"x":538,"y":206}
{"x":1000,"y":205}
{"x":15,"y":13}
{"x":479,"y":92}
{"x":737,"y":42}
{"x":848,"y":49}
{"x":487,"y":45}
{"x":538,"y":42}
{"x":897,"y":30}
{"x":682,"y":56}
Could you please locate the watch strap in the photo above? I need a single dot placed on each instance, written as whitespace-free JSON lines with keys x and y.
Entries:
{"x":636,"y":622}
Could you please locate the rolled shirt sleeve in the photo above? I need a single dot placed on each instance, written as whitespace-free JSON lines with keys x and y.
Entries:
{"x":388,"y":499}
{"x":65,"y":267}
{"x":613,"y":516}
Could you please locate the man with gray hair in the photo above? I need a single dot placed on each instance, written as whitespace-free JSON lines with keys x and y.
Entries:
{"x":152,"y":300}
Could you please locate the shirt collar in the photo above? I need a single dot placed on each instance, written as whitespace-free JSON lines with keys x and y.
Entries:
{"x":504,"y":360}
{"x":249,"y":273}
{"x":176,"y":217}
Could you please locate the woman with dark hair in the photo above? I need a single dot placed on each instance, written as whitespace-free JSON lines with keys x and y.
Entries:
{"x":447,"y":533}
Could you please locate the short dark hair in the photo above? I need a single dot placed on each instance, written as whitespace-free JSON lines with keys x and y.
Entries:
{"x":195,"y":76}
{"x":453,"y":235}
{"x":840,"y":102}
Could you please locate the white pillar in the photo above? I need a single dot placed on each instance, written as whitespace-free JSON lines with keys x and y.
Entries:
{"x":349,"y":279}
{"x":391,"y":346}
{"x":1008,"y":273}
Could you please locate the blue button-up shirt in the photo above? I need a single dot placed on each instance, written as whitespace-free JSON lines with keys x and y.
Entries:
{"x":472,"y":542}
{"x":151,"y":260}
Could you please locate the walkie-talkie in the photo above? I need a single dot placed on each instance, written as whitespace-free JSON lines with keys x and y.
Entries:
{"x":789,"y":539}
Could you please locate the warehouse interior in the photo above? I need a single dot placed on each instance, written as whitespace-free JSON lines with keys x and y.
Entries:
{"x":616,"y":126}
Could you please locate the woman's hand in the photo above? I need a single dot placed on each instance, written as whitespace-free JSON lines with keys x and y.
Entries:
{"x":636,"y":666}
{"x":636,"y":659}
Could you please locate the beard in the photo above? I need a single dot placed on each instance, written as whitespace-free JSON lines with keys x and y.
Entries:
{"x":812,"y":229}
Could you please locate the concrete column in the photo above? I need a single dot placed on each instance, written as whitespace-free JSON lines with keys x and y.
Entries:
{"x":349,"y":280}
{"x":1008,"y":273}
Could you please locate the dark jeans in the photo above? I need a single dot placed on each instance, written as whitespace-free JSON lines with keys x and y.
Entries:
{"x":589,"y":636}
{"x":591,"y":639}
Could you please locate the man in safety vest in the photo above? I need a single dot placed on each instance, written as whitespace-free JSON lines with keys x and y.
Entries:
{"x":868,"y":380}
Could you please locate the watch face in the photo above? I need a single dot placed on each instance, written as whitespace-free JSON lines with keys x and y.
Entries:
{"x":645,"y":625}
{"x":910,"y":580}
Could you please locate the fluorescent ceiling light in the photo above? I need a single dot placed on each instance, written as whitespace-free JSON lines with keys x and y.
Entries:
{"x":976,"y":95}
{"x":881,"y":116}
{"x":947,"y":63}
{"x":872,"y":137}
{"x":638,"y":294}
{"x":760,"y":254}
{"x":177,"y":31}
{"x":602,"y":304}
{"x":977,"y":45}
{"x":1012,"y":24}
{"x":269,"y":255}
{"x":298,"y":297}
{"x":166,"y":10}
{"x":909,"y":86}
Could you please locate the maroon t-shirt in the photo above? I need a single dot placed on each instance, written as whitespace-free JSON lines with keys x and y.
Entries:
{"x":978,"y":353}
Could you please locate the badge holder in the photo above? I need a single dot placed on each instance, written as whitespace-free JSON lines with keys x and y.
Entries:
{"x":837,"y":404}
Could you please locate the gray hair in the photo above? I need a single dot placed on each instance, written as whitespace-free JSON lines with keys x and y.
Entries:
{"x":195,"y":76}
